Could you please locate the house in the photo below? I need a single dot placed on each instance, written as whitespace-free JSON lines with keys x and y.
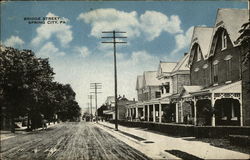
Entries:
{"x":208,"y":86}
{"x":244,"y":42}
{"x":148,"y":90}
{"x":199,"y":72}
{"x":215,"y":71}
{"x":121,"y":107}
{"x":180,"y":76}
{"x":110,"y":108}
{"x":159,"y":88}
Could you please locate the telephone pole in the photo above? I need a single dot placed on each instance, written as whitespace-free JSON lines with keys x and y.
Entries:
{"x":88,"y":108}
{"x":90,"y":97}
{"x":96,"y":86}
{"x":114,"y":42}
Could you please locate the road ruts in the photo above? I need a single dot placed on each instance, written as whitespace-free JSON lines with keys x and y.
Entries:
{"x":68,"y":141}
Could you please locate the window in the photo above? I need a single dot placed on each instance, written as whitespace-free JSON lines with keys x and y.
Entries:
{"x":204,"y":76}
{"x":229,"y":69}
{"x":198,"y":52}
{"x":215,"y":71}
{"x":224,"y":40}
{"x":166,"y":86}
{"x":196,"y":69}
{"x":162,"y":89}
{"x":157,"y":94}
{"x":205,"y":72}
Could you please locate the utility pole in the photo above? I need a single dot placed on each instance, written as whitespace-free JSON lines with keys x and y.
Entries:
{"x":96,"y":86}
{"x":114,"y":42}
{"x":90,"y":97}
{"x":88,"y":108}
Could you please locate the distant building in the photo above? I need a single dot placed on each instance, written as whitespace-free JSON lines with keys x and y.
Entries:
{"x":148,"y":90}
{"x":155,"y":90}
{"x":109,"y":110}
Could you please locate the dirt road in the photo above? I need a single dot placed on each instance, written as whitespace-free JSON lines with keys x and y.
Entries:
{"x":68,"y":141}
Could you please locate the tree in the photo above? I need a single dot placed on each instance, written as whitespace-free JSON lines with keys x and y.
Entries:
{"x":27,"y":88}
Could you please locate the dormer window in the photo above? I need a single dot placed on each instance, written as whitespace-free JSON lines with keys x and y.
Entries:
{"x":198,"y":54}
{"x":224,"y":40}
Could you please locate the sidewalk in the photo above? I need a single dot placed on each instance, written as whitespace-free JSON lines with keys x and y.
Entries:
{"x":157,"y":146}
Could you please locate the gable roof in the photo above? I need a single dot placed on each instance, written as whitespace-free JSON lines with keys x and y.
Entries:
{"x":182,"y":65}
{"x":110,"y":100}
{"x":149,"y":79}
{"x":165,"y":68}
{"x":139,"y":82}
{"x":203,"y":37}
{"x":231,"y":20}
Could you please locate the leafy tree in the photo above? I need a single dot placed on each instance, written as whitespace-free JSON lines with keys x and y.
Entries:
{"x":27,"y":88}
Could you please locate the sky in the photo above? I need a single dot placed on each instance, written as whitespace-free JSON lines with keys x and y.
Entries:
{"x":155,"y":30}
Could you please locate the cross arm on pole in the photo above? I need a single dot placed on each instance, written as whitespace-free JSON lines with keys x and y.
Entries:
{"x":113,"y":37}
{"x":114,"y":42}
{"x":113,"y":32}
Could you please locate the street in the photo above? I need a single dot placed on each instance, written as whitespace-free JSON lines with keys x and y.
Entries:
{"x":69,"y":141}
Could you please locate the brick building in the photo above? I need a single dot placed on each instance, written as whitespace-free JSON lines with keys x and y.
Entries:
{"x":215,"y":71}
{"x":208,"y":86}
{"x":244,"y":41}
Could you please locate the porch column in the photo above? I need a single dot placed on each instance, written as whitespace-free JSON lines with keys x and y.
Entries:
{"x":212,"y":103}
{"x":131,"y":112}
{"x":148,"y":113}
{"x":182,"y":111}
{"x":153,"y":112}
{"x":176,"y":113}
{"x":127,"y":113}
{"x":136,"y":112}
{"x":144,"y":112}
{"x":160,"y":112}
{"x":240,"y":101}
{"x":195,"y":114}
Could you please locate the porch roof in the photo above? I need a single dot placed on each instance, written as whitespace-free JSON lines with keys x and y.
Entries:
{"x":108,"y":112}
{"x":228,"y":88}
{"x":234,"y":87}
{"x":162,"y":100}
{"x":188,"y":90}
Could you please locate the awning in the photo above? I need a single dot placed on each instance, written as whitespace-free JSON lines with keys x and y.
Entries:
{"x":225,"y":88}
{"x":108,"y":112}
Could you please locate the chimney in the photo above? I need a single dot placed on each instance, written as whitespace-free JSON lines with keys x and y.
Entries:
{"x":123,"y":96}
{"x":134,"y":99}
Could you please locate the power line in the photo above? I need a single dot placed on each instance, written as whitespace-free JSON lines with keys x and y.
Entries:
{"x":90,"y":97}
{"x":96,"y":86}
{"x":114,"y":42}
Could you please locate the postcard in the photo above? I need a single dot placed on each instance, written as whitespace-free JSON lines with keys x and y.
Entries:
{"x":125,"y":80}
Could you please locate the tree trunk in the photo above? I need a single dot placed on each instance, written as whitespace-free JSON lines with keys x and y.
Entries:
{"x":28,"y":123}
{"x":12,"y":124}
